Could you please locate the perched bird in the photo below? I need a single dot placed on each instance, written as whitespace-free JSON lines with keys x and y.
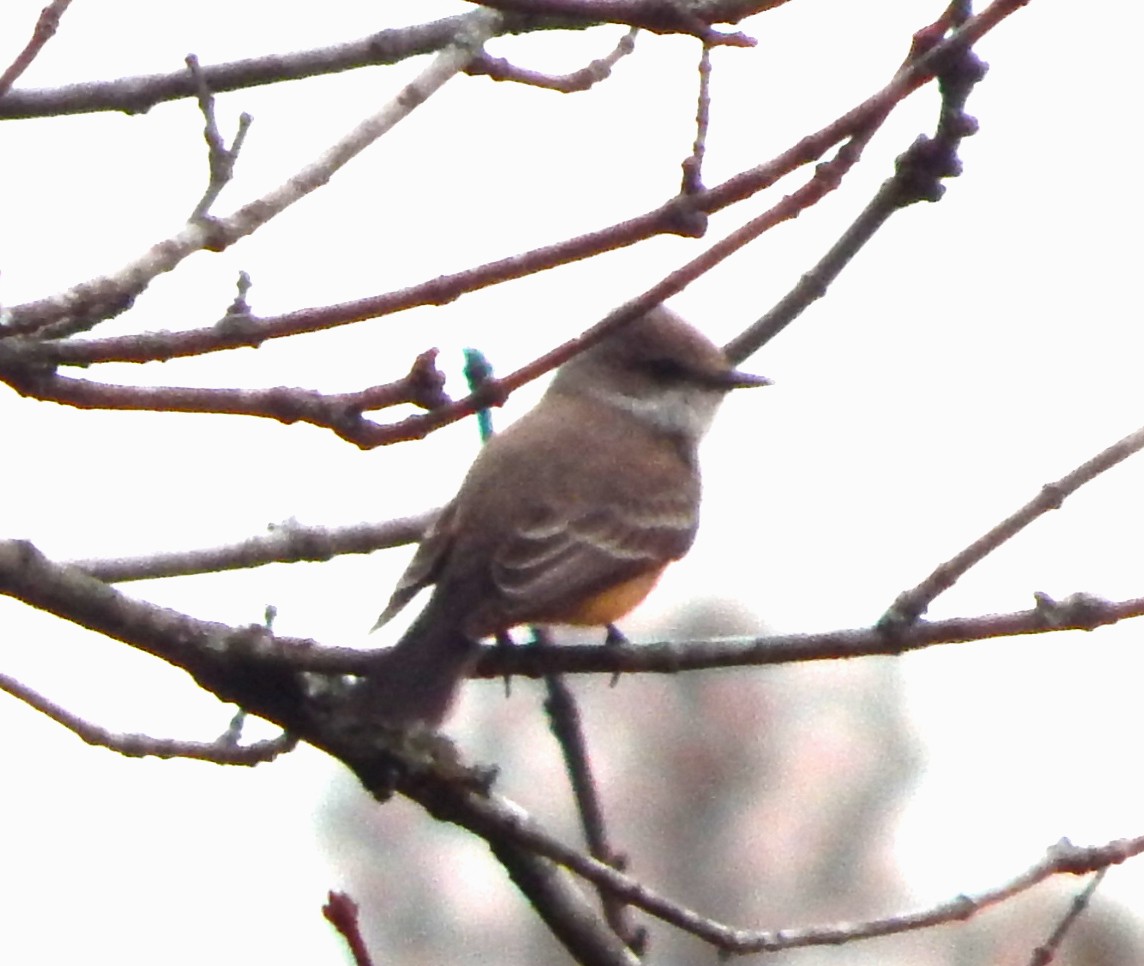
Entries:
{"x":567,"y":517}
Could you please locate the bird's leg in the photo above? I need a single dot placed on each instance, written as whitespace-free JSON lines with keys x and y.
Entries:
{"x":505,"y":642}
{"x":615,"y":638}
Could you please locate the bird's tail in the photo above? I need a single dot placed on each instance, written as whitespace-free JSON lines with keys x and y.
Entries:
{"x":418,"y":678}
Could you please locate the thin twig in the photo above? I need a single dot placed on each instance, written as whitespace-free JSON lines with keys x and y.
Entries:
{"x":566,"y":725}
{"x":88,"y":300}
{"x":342,"y":413}
{"x":499,"y":69}
{"x":144,"y":746}
{"x":912,"y":603}
{"x":1045,"y":953}
{"x":693,"y":163}
{"x":46,"y":26}
{"x":157,"y":346}
{"x":341,"y":912}
{"x":288,"y":542}
{"x":220,"y":158}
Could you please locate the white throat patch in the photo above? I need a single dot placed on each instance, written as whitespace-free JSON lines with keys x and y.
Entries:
{"x":686,"y":410}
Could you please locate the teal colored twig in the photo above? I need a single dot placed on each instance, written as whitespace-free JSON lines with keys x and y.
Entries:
{"x":478,"y":371}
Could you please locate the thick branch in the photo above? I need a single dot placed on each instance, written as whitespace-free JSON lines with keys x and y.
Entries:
{"x":658,"y":16}
{"x":135,"y":95}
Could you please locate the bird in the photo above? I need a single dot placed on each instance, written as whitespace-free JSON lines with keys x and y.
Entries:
{"x":567,"y":517}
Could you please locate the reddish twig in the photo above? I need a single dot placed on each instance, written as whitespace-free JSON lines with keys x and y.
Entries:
{"x":342,"y":414}
{"x":341,"y":912}
{"x":45,"y":29}
{"x":339,"y":412}
{"x":826,"y":178}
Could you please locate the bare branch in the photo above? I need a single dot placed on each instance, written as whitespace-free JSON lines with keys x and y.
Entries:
{"x":671,"y":217}
{"x":288,"y":542}
{"x":693,"y":164}
{"x":136,"y":95}
{"x":912,"y":603}
{"x":498,"y":820}
{"x":342,"y":913}
{"x":1081,"y":612}
{"x":1045,"y":953}
{"x":220,"y":659}
{"x":1078,"y":612}
{"x":918,"y":176}
{"x":555,"y":896}
{"x":500,"y":69}
{"x":220,"y":158}
{"x":658,"y":16}
{"x":46,"y":26}
{"x":1064,"y":858}
{"x":88,"y":299}
{"x":342,"y":413}
{"x":826,"y":178}
{"x":144,"y":746}
{"x":566,"y":725}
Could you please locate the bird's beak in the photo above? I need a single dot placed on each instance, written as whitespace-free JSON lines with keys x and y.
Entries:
{"x":734,"y":379}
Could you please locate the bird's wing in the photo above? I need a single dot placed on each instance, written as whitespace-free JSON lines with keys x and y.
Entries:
{"x":554,"y":561}
{"x":425,"y":565}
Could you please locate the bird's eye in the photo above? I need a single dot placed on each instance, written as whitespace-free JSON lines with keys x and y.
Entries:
{"x":665,"y":370}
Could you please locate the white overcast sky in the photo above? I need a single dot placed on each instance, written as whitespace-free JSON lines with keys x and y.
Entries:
{"x":976,"y":350}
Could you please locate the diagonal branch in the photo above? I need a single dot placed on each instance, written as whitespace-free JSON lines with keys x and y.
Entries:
{"x":911,"y":604}
{"x":245,"y":666}
{"x":90,"y":300}
{"x":667,"y":218}
{"x":918,"y":176}
{"x":46,"y":26}
{"x":1044,"y":954}
{"x":145,"y":746}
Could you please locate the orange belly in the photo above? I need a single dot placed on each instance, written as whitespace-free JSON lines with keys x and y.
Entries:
{"x":611,"y":605}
